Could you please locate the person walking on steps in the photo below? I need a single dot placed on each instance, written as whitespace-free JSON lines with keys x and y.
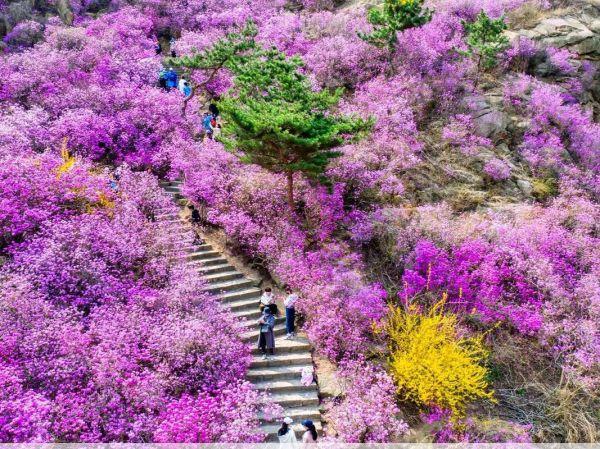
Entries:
{"x":290,"y":313}
{"x":266,"y":337}
{"x":195,"y":220}
{"x":310,"y":435}
{"x":206,"y":125}
{"x":286,"y":435}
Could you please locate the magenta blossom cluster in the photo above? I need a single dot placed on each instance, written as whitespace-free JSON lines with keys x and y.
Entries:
{"x":367,"y":413}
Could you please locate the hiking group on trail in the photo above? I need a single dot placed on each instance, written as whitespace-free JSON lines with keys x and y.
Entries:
{"x":287,"y":436}
{"x":269,"y":309}
{"x":266,"y":342}
{"x":169,"y":79}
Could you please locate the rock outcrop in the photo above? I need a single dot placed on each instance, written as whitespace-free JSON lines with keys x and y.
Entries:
{"x":578,"y":31}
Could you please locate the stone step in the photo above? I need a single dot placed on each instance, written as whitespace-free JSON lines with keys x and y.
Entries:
{"x":235,"y":284}
{"x":202,"y":255}
{"x":166,"y":183}
{"x":300,"y":413}
{"x":216,"y":278}
{"x":280,"y":386}
{"x":239,"y":299}
{"x":213,"y":261}
{"x":281,"y":359}
{"x":252,"y":335}
{"x":295,"y":399}
{"x":239,"y":308}
{"x":212,"y":269}
{"x":252,"y":324}
{"x":284,"y":346}
{"x":250,"y":314}
{"x":172,"y":217}
{"x":276,"y":373}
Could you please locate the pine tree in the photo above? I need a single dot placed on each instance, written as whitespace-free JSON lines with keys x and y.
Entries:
{"x":272,"y":115}
{"x":485,"y":39}
{"x":393,"y":17}
{"x":229,"y":52}
{"x":274,"y":118}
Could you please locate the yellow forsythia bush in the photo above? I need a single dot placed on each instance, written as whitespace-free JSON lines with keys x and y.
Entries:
{"x":431,"y":363}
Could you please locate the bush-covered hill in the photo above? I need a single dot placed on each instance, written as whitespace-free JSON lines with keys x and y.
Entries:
{"x":446,"y":259}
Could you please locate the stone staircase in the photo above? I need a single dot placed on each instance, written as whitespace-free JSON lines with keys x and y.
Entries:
{"x":279,"y":376}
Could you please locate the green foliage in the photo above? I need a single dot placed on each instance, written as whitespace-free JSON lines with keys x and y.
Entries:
{"x":229,"y":52}
{"x":485,"y":39}
{"x":545,"y":187}
{"x":272,"y":116}
{"x":394,"y":16}
{"x":277,"y":120}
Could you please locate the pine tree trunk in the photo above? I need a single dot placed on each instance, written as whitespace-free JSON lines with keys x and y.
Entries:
{"x":290,"y":189}
{"x":477,"y":73}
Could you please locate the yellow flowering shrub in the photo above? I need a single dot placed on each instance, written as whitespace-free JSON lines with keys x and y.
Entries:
{"x":68,"y":160}
{"x":431,"y":363}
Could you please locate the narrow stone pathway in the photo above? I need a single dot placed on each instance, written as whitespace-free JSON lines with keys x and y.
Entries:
{"x":280,"y":376}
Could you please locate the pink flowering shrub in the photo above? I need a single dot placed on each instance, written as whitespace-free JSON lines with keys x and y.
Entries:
{"x":246,"y":202}
{"x":107,"y":337}
{"x":520,"y":54}
{"x":431,"y":52}
{"x":224,"y":416}
{"x":459,"y":133}
{"x":367,"y":412}
{"x":337,"y":56}
{"x":523,"y":267}
{"x":32,"y":191}
{"x":377,"y":163}
{"x":94,"y":85}
{"x":497,"y":169}
{"x":562,"y":137}
{"x":23,"y":35}
{"x":103,"y":327}
{"x":560,"y":59}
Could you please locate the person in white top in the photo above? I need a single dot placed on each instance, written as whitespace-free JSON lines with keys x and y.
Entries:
{"x":181,"y":84}
{"x":290,"y":313}
{"x":267,"y":299}
{"x":286,"y":435}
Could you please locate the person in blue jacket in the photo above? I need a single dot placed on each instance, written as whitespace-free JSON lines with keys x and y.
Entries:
{"x":171,"y":77}
{"x":208,"y":129}
{"x":187,"y":89}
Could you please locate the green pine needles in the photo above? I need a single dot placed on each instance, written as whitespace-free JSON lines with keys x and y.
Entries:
{"x":392,"y":17}
{"x":273,"y":116}
{"x":485,"y":39}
